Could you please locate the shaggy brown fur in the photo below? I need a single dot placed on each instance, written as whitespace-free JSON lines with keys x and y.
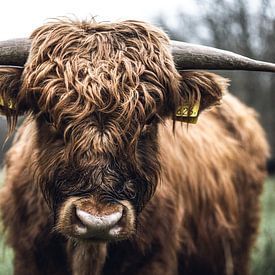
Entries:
{"x":102,"y":99}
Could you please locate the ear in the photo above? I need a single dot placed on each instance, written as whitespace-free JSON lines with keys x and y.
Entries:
{"x":10,"y":82}
{"x":198,"y":91}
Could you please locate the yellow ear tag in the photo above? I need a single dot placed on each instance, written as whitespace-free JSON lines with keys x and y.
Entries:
{"x":10,"y":103}
{"x":187,"y":114}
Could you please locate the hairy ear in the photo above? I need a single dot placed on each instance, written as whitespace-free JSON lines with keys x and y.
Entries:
{"x":198,"y":91}
{"x":10,"y":82}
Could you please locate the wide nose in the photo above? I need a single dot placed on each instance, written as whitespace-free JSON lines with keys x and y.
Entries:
{"x":97,"y":226}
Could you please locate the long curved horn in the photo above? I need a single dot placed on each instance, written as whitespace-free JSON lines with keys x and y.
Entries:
{"x":192,"y":56}
{"x":186,"y":56}
{"x":14,"y":52}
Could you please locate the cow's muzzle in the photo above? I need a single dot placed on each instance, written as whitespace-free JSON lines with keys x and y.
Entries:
{"x":89,"y":219}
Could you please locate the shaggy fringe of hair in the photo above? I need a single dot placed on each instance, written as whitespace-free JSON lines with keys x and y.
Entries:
{"x":83,"y":73}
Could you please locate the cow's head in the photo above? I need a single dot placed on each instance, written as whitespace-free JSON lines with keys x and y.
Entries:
{"x":96,"y":93}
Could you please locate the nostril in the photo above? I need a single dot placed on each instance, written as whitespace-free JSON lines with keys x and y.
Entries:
{"x":98,"y":223}
{"x":80,"y":228}
{"x":75,"y":219}
{"x":120,"y":225}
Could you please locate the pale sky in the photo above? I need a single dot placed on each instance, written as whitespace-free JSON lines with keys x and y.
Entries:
{"x":18,"y":18}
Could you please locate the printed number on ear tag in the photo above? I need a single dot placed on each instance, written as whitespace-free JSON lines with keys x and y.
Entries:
{"x":10,"y":103}
{"x":187,"y":114}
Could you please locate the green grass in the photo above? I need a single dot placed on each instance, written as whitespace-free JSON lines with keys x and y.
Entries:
{"x":6,"y":257}
{"x":6,"y":254}
{"x":263,"y":259}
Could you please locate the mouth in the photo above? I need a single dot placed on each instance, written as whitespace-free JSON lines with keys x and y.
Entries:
{"x":89,"y":220}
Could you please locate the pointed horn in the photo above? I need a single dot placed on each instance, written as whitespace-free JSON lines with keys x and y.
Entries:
{"x":191,"y":56}
{"x":14,"y":52}
{"x":186,"y":56}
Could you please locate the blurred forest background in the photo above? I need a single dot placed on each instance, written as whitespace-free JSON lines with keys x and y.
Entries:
{"x":247,"y":29}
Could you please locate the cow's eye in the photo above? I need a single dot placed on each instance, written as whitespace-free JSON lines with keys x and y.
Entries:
{"x":150,"y":120}
{"x":49,"y":121}
{"x":47,"y":118}
{"x":149,"y":123}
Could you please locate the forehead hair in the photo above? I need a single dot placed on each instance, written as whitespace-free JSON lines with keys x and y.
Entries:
{"x":121,"y":72}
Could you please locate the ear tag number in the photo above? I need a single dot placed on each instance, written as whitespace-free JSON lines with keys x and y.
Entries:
{"x":187,"y":114}
{"x":10,"y":103}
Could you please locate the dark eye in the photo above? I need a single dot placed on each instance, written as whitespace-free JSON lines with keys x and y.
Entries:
{"x":150,"y":120}
{"x":47,"y":118}
{"x":49,"y":122}
{"x":148,"y":124}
